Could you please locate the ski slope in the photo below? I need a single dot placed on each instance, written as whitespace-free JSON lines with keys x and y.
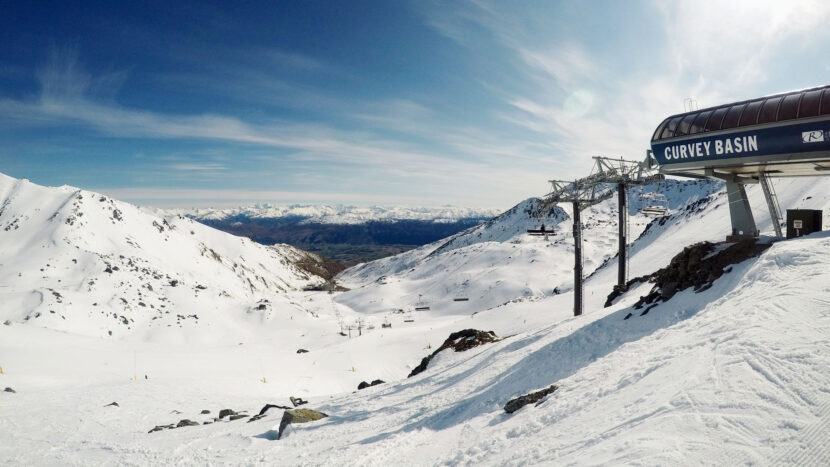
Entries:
{"x":736,"y":374}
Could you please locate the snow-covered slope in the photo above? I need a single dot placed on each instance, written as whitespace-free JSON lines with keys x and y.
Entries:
{"x":735,"y":374}
{"x":81,"y":262}
{"x":497,"y":262}
{"x":338,"y":214}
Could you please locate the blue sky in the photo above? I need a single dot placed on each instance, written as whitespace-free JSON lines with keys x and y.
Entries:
{"x":469,"y":103}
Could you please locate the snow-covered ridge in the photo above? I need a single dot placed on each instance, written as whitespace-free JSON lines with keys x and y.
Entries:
{"x":338,"y":214}
{"x":81,"y":262}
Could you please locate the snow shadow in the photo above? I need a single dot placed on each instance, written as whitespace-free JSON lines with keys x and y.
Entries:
{"x":561,"y":358}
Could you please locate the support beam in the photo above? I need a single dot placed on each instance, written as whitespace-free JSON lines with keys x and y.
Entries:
{"x":740,"y":212}
{"x":623,"y":240}
{"x":772,"y":203}
{"x":578,"y":288}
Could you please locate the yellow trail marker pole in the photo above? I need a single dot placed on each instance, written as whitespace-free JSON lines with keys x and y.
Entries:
{"x":1,"y":370}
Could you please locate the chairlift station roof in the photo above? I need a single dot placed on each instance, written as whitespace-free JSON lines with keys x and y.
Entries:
{"x":783,"y":135}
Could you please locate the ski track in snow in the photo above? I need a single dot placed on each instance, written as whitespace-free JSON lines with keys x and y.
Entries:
{"x":736,"y":374}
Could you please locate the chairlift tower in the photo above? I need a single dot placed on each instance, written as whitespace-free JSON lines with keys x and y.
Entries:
{"x":624,"y":174}
{"x":607,"y":174}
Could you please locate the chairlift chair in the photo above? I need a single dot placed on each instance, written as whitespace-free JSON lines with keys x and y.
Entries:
{"x":654,"y":204}
{"x":541,"y":232}
{"x":421,"y":305}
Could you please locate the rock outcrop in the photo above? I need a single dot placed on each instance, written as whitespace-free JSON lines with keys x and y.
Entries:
{"x":364,"y":384}
{"x":293,"y":416}
{"x":697,"y":266}
{"x":458,"y":341}
{"x":515,"y":404}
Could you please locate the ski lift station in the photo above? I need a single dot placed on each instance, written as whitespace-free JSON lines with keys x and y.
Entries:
{"x":783,"y":135}
{"x":746,"y":142}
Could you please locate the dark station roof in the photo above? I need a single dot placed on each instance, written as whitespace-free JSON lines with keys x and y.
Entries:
{"x":795,"y":105}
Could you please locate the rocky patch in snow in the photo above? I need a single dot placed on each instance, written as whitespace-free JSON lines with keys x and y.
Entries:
{"x":364,"y":384}
{"x":458,"y":341}
{"x":538,"y":396}
{"x":698,"y":266}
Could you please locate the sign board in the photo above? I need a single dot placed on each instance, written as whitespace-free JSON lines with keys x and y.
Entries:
{"x":798,"y":224}
{"x":722,"y":148}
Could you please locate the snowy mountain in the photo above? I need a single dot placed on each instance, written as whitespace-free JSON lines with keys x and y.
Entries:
{"x":78,"y":261}
{"x":735,"y":372}
{"x":497,"y":262}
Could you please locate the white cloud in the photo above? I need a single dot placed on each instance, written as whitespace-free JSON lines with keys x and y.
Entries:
{"x":204,"y":167}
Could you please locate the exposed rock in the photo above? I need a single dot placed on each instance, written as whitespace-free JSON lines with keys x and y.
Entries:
{"x":515,"y":404}
{"x":364,"y":384}
{"x":302,"y":351}
{"x":697,"y":266}
{"x":205,"y":412}
{"x":297,"y":401}
{"x":7,"y":322}
{"x":186,"y":422}
{"x":293,"y":416}
{"x":265,"y":408}
{"x":225,"y":412}
{"x":236,"y":417}
{"x":8,"y":389}
{"x":112,"y":404}
{"x":272,"y":406}
{"x":161,"y":427}
{"x":458,"y":341}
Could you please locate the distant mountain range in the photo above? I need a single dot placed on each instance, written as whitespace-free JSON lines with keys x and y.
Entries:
{"x":346,"y":234}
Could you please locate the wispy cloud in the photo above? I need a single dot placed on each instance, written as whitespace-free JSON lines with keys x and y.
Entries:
{"x":206,"y":167}
{"x":579,"y":106}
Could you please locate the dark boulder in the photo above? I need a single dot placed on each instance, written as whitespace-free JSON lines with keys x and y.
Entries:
{"x":186,"y":422}
{"x":225,"y":412}
{"x":296,"y":401}
{"x":112,"y":404}
{"x":302,"y":351}
{"x":8,"y":389}
{"x":205,"y":412}
{"x":364,"y":384}
{"x":515,"y":404}
{"x":161,"y":427}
